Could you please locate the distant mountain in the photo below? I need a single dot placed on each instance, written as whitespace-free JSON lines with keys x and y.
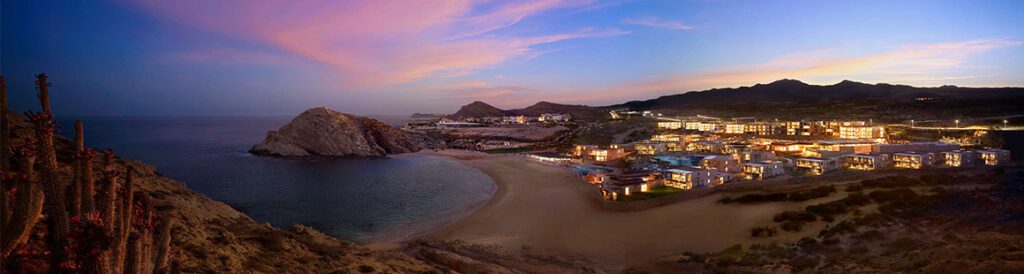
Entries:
{"x":792,"y":91}
{"x":480,"y":109}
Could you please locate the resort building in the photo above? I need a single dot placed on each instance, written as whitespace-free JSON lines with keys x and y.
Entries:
{"x":817,"y":166}
{"x":734,"y":128}
{"x":596,"y":154}
{"x":515,"y":119}
{"x":667,"y":138}
{"x":790,"y":148}
{"x":760,"y":128}
{"x":721,"y":163}
{"x":861,"y":132}
{"x":763,"y":170}
{"x":803,"y":128}
{"x":935,"y":147}
{"x":554,"y":118}
{"x":994,"y":157}
{"x":650,"y":148}
{"x":550,"y":157}
{"x":959,"y":158}
{"x":688,"y":178}
{"x":832,"y":127}
{"x":754,"y":156}
{"x":913,"y":160}
{"x":705,"y":146}
{"x":865,"y":161}
{"x":670,"y":124}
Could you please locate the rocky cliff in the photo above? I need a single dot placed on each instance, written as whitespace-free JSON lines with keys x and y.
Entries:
{"x":325,"y":132}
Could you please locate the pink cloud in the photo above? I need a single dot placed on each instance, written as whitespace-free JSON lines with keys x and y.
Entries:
{"x":377,"y":43}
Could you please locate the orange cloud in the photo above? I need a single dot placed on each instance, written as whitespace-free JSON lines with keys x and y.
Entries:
{"x":375,"y":43}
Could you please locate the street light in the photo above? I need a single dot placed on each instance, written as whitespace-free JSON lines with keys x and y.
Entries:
{"x":957,"y":123}
{"x":911,"y":122}
{"x":1004,"y":123}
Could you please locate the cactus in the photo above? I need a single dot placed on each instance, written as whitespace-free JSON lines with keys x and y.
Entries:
{"x":163,"y":245}
{"x":124,"y":221}
{"x":110,"y":233}
{"x":76,"y":177}
{"x":108,"y":192}
{"x":56,"y":211}
{"x":28,"y":205}
{"x":87,"y":182}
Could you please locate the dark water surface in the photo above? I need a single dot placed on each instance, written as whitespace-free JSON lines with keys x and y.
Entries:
{"x":353,"y":199}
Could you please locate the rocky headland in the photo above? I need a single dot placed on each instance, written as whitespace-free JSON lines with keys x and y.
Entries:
{"x":325,"y":132}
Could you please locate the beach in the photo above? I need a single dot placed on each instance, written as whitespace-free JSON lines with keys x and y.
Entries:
{"x":548,"y":208}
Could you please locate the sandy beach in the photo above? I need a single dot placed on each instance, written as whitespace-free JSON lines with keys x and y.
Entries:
{"x":549,"y":208}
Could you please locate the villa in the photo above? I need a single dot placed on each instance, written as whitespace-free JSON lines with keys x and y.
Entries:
{"x":554,"y":118}
{"x":721,"y":163}
{"x":650,"y":148}
{"x":935,"y":147}
{"x":866,"y":161}
{"x":959,"y":158}
{"x":754,"y":156}
{"x":597,"y":154}
{"x":817,"y":166}
{"x":688,"y":178}
{"x":762,"y":170}
{"x":994,"y":157}
{"x":913,"y":160}
{"x":762,"y":129}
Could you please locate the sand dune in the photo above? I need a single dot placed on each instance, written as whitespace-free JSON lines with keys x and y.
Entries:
{"x":547,"y":207}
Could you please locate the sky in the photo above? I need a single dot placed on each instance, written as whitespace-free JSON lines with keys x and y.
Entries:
{"x":270,"y":57}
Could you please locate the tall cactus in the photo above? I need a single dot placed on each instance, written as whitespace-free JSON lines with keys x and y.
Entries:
{"x":28,"y":204}
{"x":124,"y":220}
{"x":163,"y":246}
{"x":76,"y":177}
{"x":108,"y":193}
{"x":88,"y":184}
{"x":56,"y":211}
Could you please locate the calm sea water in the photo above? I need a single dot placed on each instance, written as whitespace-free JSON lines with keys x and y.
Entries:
{"x":353,"y":199}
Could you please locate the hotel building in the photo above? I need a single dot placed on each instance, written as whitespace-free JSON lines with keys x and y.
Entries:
{"x":817,"y":166}
{"x":861,"y":132}
{"x":670,"y":124}
{"x":994,"y":157}
{"x":597,"y":154}
{"x":721,"y":163}
{"x":913,"y":160}
{"x":763,"y":170}
{"x":959,"y":158}
{"x":688,"y":178}
{"x":650,"y":148}
{"x":866,"y":161}
{"x":734,"y":128}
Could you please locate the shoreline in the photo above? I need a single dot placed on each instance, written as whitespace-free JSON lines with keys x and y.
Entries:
{"x":547,"y":208}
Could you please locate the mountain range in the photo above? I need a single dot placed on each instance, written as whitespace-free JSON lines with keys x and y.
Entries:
{"x":787,"y":96}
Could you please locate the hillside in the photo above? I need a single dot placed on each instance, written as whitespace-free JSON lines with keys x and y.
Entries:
{"x":325,"y":132}
{"x":479,"y":109}
{"x":788,"y":97}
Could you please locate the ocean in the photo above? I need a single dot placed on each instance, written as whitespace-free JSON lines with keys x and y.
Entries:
{"x":353,"y":199}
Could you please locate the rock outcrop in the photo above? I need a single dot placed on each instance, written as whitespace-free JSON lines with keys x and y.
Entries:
{"x":325,"y":132}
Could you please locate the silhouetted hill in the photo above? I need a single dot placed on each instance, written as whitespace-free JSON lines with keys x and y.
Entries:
{"x":790,"y":91}
{"x":480,"y":109}
{"x":792,"y":99}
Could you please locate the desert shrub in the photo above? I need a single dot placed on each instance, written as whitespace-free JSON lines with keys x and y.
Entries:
{"x":903,"y":244}
{"x":870,"y":235}
{"x":818,"y":192}
{"x":793,"y":225}
{"x":766,"y":231}
{"x":854,"y":188}
{"x":794,"y":216}
{"x":725,"y":200}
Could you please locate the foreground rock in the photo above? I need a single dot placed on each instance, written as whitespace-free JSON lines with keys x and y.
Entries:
{"x":325,"y":132}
